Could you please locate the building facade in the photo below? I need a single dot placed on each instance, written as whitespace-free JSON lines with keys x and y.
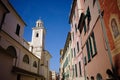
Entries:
{"x":54,"y":75}
{"x":111,"y":20}
{"x":76,"y":42}
{"x":66,"y":72}
{"x":89,"y":40}
{"x":38,"y":49}
{"x":17,"y":59}
{"x":93,"y":43}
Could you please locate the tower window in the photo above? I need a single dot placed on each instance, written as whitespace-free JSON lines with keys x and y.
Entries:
{"x":18,"y":29}
{"x":37,"y":35}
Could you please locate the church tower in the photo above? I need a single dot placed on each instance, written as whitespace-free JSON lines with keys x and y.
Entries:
{"x":38,"y":38}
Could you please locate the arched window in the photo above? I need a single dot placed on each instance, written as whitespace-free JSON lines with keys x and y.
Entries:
{"x":98,"y":77}
{"x":92,"y":78}
{"x":11,"y":51}
{"x":35,"y":64}
{"x":26,"y":59}
{"x":87,"y":78}
{"x":37,"y":35}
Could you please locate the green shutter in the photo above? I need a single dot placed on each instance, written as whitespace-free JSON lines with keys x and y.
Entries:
{"x":91,"y":51}
{"x":88,"y":51}
{"x":74,"y":53}
{"x":76,"y":69}
{"x":73,"y":70}
{"x":80,"y":68}
{"x":94,"y":43}
{"x":78,"y":46}
{"x":85,"y":27}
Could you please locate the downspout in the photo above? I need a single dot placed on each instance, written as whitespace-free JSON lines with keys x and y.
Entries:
{"x":106,"y":38}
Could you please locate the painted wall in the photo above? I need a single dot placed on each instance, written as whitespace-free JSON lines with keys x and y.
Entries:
{"x":112,"y":23}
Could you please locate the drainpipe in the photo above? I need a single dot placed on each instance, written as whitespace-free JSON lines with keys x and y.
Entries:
{"x":106,"y":38}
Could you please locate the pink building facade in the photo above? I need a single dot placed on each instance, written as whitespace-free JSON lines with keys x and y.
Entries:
{"x":88,"y":42}
{"x":76,"y":44}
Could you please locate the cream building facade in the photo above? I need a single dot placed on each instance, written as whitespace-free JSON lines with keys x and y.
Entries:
{"x":54,"y":75}
{"x":66,"y":60}
{"x":19,"y":59}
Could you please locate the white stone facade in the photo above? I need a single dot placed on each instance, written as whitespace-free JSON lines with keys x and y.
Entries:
{"x":17,"y":59}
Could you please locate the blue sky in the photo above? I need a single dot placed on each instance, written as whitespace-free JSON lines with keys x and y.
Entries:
{"x":55,"y":15}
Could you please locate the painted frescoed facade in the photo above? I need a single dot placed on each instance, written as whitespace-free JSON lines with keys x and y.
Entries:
{"x":112,"y":24}
{"x":17,"y":59}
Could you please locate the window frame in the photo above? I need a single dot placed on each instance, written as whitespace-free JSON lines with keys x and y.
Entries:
{"x":26,"y":59}
{"x":17,"y":30}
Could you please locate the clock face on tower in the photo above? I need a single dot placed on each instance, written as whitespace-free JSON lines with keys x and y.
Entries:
{"x":118,"y":4}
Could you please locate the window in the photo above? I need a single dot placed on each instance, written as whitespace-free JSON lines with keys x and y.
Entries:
{"x":74,"y":53}
{"x":12,"y":51}
{"x":76,"y":69}
{"x":78,"y":47}
{"x":75,"y":28}
{"x":73,"y":70}
{"x":80,"y":68}
{"x":18,"y":29}
{"x":94,"y":2}
{"x":93,"y":44}
{"x":85,"y":60}
{"x":87,"y":78}
{"x":88,"y":52}
{"x":92,"y":78}
{"x":91,"y":47}
{"x":26,"y":59}
{"x":35,"y":64}
{"x":84,"y":27}
{"x":99,"y":77}
{"x":37,"y":35}
{"x":88,"y":16}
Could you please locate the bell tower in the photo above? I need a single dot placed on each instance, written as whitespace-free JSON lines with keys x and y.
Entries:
{"x":38,"y":38}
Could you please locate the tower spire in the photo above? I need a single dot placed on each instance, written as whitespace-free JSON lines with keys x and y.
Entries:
{"x":39,"y":23}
